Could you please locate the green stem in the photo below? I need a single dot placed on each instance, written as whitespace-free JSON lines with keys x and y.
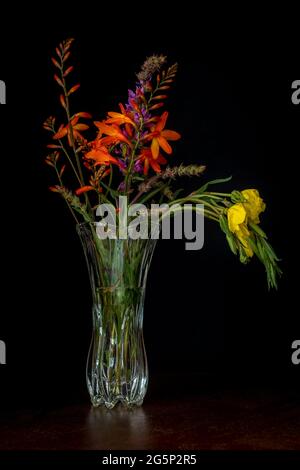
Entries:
{"x":218,"y":194}
{"x":70,"y":208}
{"x":67,"y":109}
{"x":110,"y":180}
{"x":128,"y":173}
{"x":207,"y":213}
{"x":70,"y":161}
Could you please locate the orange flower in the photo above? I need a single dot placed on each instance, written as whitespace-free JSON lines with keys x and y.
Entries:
{"x":119,"y":118}
{"x":148,"y":159}
{"x":160,"y":137}
{"x":76,"y":127}
{"x":100,"y":154}
{"x":84,"y":189}
{"x":113,"y":132}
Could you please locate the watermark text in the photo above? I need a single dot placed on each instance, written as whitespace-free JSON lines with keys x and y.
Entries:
{"x":296,"y":353}
{"x":159,"y":221}
{"x":2,"y":92}
{"x":2,"y":352}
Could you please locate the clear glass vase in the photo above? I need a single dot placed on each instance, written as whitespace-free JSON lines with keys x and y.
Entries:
{"x":117,"y":368}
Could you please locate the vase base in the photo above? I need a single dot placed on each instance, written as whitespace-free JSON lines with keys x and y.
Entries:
{"x":123,"y":403}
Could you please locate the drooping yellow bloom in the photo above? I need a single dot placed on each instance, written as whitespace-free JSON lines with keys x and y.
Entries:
{"x":237,"y":223}
{"x":236,"y":216}
{"x":254,"y":205}
{"x":241,"y":213}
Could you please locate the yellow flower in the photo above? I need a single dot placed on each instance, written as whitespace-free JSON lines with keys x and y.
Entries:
{"x":237,"y":223}
{"x":254,"y":205}
{"x":236,"y":216}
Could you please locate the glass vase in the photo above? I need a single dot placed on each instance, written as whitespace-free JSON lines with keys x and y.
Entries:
{"x":117,"y":368}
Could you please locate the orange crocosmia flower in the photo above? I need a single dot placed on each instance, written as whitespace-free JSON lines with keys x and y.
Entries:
{"x":84,"y":189}
{"x":113,"y":132}
{"x":84,"y":115}
{"x":148,"y":159}
{"x":100,"y":154}
{"x":160,"y":136}
{"x":76,"y":128}
{"x":119,"y":118}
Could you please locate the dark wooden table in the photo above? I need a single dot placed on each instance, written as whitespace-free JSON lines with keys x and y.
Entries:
{"x":232,"y":419}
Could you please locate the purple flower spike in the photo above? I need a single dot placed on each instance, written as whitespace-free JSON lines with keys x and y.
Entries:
{"x":122,"y":186}
{"x":138,"y":167}
{"x":131,"y":95}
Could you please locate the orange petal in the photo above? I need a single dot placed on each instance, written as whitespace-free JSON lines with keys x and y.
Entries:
{"x":104,"y":128}
{"x":62,"y":131}
{"x":162,"y":122}
{"x":66,"y":56}
{"x":164,"y":145}
{"x":160,"y":97}
{"x":62,"y":101}
{"x":83,"y":115}
{"x":129,"y":130}
{"x":54,"y":189}
{"x":156,"y":106}
{"x":118,"y":118}
{"x":84,"y":189}
{"x":74,"y":120}
{"x":123,"y":111}
{"x":81,"y":127}
{"x":58,"y":80}
{"x":108,"y":140}
{"x":146,"y":166}
{"x":111,"y":130}
{"x":55,"y":62}
{"x":155,"y":148}
{"x":170,"y":135}
{"x":73,"y":89}
{"x":107,"y":161}
{"x":68,"y":70}
{"x":107,"y":172}
{"x":155,"y":166}
{"x":95,"y":154}
{"x":161,"y":159}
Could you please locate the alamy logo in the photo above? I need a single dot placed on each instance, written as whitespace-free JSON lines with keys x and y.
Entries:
{"x":296,"y":354}
{"x":2,"y":92}
{"x":296,"y":93}
{"x":2,"y":352}
{"x":139,"y":222}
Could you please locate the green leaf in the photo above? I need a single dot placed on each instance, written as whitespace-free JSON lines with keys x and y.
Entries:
{"x":176,"y":193}
{"x":223,"y":224}
{"x":243,"y":257}
{"x":270,"y":250}
{"x":150,"y":195}
{"x":236,"y":196}
{"x":261,"y":250}
{"x":209,"y":183}
{"x":254,"y":248}
{"x":258,"y":230}
{"x":138,"y":178}
{"x":112,"y":191}
{"x":232,"y":244}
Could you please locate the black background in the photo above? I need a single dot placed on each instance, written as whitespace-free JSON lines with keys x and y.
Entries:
{"x":205,"y":312}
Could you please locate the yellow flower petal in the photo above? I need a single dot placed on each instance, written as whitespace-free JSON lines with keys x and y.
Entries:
{"x":243,"y":234}
{"x":236,"y":216}
{"x":254,"y":205}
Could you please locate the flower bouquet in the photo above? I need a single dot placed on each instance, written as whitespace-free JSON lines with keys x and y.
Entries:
{"x":120,"y":178}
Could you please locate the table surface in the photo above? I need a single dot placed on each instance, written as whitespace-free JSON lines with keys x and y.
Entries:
{"x":233,"y":419}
